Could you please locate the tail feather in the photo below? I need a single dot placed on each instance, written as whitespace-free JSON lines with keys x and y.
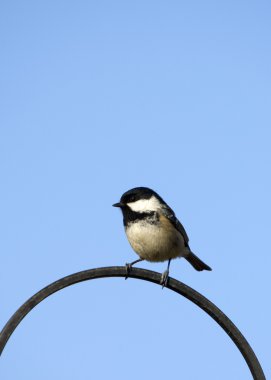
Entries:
{"x":196,"y":262}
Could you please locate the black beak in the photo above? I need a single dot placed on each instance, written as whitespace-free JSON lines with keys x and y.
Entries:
{"x":119,"y":204}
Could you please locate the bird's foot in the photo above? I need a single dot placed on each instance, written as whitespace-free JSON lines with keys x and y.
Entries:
{"x":129,"y":267}
{"x":128,"y":270}
{"x":164,"y":278}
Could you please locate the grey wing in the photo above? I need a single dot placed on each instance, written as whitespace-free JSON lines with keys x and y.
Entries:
{"x":169,"y":213}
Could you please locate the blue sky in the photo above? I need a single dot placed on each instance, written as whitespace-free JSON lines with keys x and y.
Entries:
{"x":99,"y":97}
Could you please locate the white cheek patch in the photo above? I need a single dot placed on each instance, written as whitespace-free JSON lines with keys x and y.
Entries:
{"x":143,"y":205}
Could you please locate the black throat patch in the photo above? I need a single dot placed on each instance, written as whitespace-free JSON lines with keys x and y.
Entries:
{"x":130,"y":216}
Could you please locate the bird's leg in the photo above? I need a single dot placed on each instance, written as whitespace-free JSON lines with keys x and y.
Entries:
{"x":164,"y":276}
{"x":129,"y":266}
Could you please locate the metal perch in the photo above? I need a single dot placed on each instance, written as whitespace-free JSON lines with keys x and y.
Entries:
{"x":146,"y":275}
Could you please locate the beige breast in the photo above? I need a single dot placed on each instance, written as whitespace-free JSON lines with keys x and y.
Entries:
{"x":156,"y":242}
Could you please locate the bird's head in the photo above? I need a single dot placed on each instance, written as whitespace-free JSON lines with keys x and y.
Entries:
{"x":140,"y":199}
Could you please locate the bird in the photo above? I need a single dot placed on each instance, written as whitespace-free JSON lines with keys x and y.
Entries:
{"x":153,"y":230}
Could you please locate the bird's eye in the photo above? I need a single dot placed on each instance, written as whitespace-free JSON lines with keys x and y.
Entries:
{"x":132,"y":199}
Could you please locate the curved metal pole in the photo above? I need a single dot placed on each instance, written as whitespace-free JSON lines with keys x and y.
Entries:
{"x":146,"y":275}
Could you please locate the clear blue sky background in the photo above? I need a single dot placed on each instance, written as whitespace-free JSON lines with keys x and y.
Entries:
{"x":101,"y":96}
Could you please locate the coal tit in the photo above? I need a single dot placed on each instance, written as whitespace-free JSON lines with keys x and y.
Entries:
{"x":153,"y":230}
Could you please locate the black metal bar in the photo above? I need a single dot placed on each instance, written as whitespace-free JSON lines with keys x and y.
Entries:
{"x":146,"y":275}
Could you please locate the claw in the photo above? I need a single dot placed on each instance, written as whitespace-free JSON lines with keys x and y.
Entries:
{"x":128,"y":270}
{"x":129,"y":267}
{"x":164,"y":278}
